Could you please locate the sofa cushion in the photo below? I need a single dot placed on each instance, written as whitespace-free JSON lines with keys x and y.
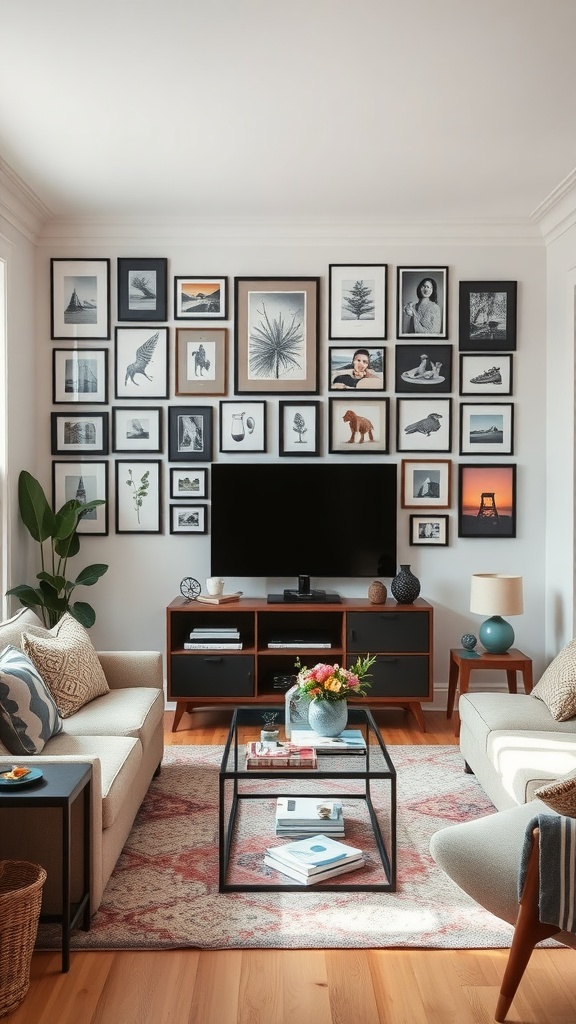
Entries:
{"x":557,"y":687}
{"x":560,"y":795}
{"x":28,"y":713}
{"x":67,"y":661}
{"x":11,"y":629}
{"x":134,"y":712}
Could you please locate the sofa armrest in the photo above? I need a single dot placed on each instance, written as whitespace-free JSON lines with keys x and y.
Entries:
{"x":132,"y":668}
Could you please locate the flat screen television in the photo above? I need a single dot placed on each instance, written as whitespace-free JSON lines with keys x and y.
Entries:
{"x":329,"y":520}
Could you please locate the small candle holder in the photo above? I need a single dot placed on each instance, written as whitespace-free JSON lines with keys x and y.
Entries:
{"x":270,"y":732}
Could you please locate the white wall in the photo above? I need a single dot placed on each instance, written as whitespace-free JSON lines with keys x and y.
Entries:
{"x":145,"y":571}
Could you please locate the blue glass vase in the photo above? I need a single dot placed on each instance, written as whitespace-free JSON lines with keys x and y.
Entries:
{"x":328,"y":718}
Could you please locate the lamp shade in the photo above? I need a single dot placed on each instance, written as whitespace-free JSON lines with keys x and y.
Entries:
{"x":495,"y":593}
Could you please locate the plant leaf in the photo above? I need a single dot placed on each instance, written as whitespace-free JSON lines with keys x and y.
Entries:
{"x":35,"y":511}
{"x":27,"y":595}
{"x":90,"y":575}
{"x":83,"y":613}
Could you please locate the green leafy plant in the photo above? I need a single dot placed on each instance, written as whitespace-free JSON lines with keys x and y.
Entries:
{"x":138,"y":493}
{"x":59,"y":529}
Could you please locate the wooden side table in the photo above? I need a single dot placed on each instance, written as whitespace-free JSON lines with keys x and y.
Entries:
{"x":462,"y":663}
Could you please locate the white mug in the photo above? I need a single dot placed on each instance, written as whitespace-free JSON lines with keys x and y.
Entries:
{"x":215,"y":586}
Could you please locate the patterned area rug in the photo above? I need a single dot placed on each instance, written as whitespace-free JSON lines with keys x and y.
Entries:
{"x":164,"y":890}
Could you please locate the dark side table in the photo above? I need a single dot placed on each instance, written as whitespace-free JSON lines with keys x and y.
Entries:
{"x":462,"y":663}
{"x":60,"y":787}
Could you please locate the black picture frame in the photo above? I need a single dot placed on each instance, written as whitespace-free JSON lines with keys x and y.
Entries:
{"x":424,"y":369}
{"x":348,"y":435}
{"x":79,"y":299}
{"x":149,"y":301}
{"x":487,"y":428}
{"x":299,"y":428}
{"x":357,"y":301}
{"x":487,"y":500}
{"x":199,"y":297}
{"x":424,"y":424}
{"x":188,"y":482}
{"x":86,"y":481}
{"x":487,"y":314}
{"x":429,"y":529}
{"x":426,"y":483}
{"x":242,"y":426}
{"x":341,"y":365}
{"x":190,"y":433}
{"x":188,"y":519}
{"x":138,"y":496}
{"x":75,"y":433}
{"x":415,"y":323}
{"x":137,"y":428}
{"x":486,"y":374}
{"x":79,"y":376}
{"x":141,"y":363}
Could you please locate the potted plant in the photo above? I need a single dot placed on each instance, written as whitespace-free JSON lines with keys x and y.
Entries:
{"x":53,"y":595}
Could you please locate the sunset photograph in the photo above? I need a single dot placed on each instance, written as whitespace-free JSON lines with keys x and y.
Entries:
{"x":487,"y":501}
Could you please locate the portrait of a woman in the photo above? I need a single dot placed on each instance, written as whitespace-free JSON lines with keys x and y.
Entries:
{"x":422,"y":302}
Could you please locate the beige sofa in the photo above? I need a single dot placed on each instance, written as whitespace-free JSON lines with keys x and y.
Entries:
{"x":121,"y":733}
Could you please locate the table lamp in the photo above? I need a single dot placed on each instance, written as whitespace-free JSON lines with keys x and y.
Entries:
{"x":496,"y":594}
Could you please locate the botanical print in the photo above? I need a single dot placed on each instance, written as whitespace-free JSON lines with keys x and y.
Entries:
{"x":139,"y":491}
{"x":138,"y":497}
{"x":298,"y":422}
{"x":357,"y":301}
{"x":277,"y":335}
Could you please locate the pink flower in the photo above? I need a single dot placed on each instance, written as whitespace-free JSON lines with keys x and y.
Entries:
{"x":320,"y":673}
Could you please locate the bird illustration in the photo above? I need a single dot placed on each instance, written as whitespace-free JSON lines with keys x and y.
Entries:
{"x":426,"y":426}
{"x":143,"y":356}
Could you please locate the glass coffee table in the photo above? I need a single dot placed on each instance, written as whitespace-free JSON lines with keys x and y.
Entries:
{"x":364,"y":782}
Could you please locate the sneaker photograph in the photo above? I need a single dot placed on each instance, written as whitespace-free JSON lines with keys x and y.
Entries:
{"x":492,"y":376}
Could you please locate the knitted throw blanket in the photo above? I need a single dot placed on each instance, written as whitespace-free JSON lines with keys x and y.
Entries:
{"x":557,"y":869}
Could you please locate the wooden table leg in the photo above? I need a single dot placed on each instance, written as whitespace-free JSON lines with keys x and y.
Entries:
{"x":511,"y":677}
{"x":464,"y":684}
{"x":452,"y":684}
{"x":415,"y":708}
{"x":181,"y":707}
{"x":527,"y":676}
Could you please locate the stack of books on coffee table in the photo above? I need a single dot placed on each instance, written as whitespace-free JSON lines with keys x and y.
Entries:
{"x":304,"y":815}
{"x":279,"y":755}
{"x":314,"y":859}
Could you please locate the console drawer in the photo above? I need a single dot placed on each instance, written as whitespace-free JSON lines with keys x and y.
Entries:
{"x":403,"y":676}
{"x":388,"y":631}
{"x":212,"y":675}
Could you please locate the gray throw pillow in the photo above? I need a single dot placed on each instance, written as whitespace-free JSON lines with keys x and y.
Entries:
{"x":28,"y":712}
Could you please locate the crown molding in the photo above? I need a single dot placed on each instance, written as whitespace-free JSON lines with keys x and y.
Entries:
{"x":557,"y":213}
{"x":20,"y":205}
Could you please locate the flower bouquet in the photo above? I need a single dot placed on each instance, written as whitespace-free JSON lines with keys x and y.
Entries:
{"x":333,"y":682}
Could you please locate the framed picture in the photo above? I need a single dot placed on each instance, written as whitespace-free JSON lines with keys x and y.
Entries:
{"x":189,"y":433}
{"x":201,"y":360}
{"x":486,"y":375}
{"x":486,"y":429}
{"x":425,"y":483}
{"x":422,"y":302}
{"x":487,"y":500}
{"x":141,"y":362}
{"x":424,"y":424}
{"x":487,"y":316}
{"x":73,"y":434}
{"x":357,"y":301}
{"x":188,"y":519}
{"x":360,"y":369}
{"x":429,"y":529}
{"x":80,"y":299}
{"x":276,"y":335}
{"x":142,"y":289}
{"x":137,"y":429}
{"x":426,"y":369}
{"x":299,"y":428}
{"x":138,"y":496}
{"x":85,"y":481}
{"x":242,"y":426}
{"x":200,"y":298}
{"x":80,"y":376}
{"x":358,"y":426}
{"x":187,"y":483}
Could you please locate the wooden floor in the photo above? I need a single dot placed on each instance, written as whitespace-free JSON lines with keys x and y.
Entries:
{"x":297,"y":986}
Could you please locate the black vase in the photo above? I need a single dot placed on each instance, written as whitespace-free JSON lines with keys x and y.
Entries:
{"x":405,"y":586}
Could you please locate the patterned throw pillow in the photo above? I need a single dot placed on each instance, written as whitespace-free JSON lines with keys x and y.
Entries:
{"x":68,"y":663}
{"x":28,"y":713}
{"x":560,"y":795}
{"x":557,"y":687}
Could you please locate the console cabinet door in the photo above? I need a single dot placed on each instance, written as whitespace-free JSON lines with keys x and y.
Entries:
{"x":212,"y":675}
{"x":402,"y":676}
{"x":388,"y":631}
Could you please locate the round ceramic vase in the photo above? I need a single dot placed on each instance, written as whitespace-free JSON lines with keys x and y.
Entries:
{"x":328,"y":718}
{"x":405,"y":586}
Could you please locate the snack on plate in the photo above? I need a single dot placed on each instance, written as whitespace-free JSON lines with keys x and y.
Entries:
{"x":17,"y":772}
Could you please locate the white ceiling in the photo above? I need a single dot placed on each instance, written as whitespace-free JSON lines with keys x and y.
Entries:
{"x":371,"y":110}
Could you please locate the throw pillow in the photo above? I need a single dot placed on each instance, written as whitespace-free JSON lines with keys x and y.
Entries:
{"x":560,"y":795}
{"x":68,"y":663}
{"x":28,"y":713}
{"x":557,"y":687}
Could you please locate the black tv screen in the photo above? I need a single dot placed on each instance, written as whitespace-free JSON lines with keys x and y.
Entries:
{"x":328,"y":519}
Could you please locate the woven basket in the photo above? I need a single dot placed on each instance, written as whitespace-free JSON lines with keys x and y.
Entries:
{"x":20,"y":900}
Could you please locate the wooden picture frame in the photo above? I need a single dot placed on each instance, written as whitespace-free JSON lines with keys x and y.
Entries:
{"x":80,"y":376}
{"x":242,"y":426}
{"x":358,"y":426}
{"x":429,"y":320}
{"x":200,"y":360}
{"x":188,"y":519}
{"x":79,"y":299}
{"x":188,"y":482}
{"x":429,"y":529}
{"x":487,"y":316}
{"x":343,"y":375}
{"x":357,"y":301}
{"x":137,"y":428}
{"x":299,"y":428}
{"x":426,"y":483}
{"x":200,"y":298}
{"x":276,"y":335}
{"x":424,"y":369}
{"x":74,"y":433}
{"x":487,"y":500}
{"x":487,"y":428}
{"x":490,"y":374}
{"x":138,"y":496}
{"x":424,"y":424}
{"x":140,"y":362}
{"x":85,"y":481}
{"x":190,"y":433}
{"x":142,"y":288}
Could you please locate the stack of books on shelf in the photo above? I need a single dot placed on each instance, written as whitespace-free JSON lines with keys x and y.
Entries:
{"x":314,"y":859}
{"x":299,"y":638}
{"x":214,"y":638}
{"x":304,"y":815}
{"x":280,"y":755}
{"x":350,"y":741}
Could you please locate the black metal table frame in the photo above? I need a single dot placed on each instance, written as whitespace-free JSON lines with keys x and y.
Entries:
{"x":356,"y":716}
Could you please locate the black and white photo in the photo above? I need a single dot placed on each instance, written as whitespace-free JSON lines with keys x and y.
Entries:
{"x":137,"y":429}
{"x":424,"y":424}
{"x":357,"y":301}
{"x":487,"y":429}
{"x":423,"y":369}
{"x":429,"y":529}
{"x":190,"y":433}
{"x":487,"y":316}
{"x":142,"y":289}
{"x":75,"y":433}
{"x":188,"y":519}
{"x":80,"y":299}
{"x":200,"y":360}
{"x":426,"y":483}
{"x":187,"y":482}
{"x":79,"y":376}
{"x":141,"y":362}
{"x":486,"y":374}
{"x":83,"y":481}
{"x":422,"y":302}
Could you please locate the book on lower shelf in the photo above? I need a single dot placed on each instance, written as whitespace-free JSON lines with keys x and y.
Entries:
{"x":350,"y":741}
{"x":309,"y":811}
{"x":214,"y":633}
{"x":263,"y":755}
{"x":314,"y":856}
{"x":212,"y":645}
{"x":319,"y":876}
